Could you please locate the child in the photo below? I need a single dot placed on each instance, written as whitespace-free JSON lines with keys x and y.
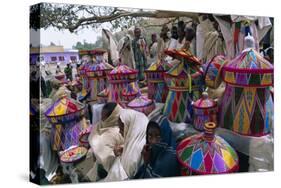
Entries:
{"x":158,"y":156}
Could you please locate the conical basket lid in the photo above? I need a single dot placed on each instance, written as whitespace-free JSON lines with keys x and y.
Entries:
{"x":249,"y":69}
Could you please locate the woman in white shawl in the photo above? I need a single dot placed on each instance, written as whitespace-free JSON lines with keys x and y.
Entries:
{"x":132,"y":126}
{"x":104,"y":137}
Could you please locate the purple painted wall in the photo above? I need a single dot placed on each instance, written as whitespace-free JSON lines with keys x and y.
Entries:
{"x":55,"y":57}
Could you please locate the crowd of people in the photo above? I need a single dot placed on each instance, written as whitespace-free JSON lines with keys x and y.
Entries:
{"x":126,"y":144}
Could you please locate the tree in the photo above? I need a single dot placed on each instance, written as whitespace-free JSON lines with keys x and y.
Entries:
{"x":75,"y":17}
{"x":88,"y":46}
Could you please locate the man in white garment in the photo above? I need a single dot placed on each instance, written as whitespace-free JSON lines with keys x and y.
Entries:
{"x":203,"y":27}
{"x":152,"y":50}
{"x":163,"y":43}
{"x":125,"y":49}
{"x":213,"y":41}
{"x":174,"y":38}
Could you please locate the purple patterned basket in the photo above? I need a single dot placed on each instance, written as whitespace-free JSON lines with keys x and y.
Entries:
{"x":157,"y":88}
{"x":65,"y":115}
{"x":204,"y":110}
{"x":130,"y":92}
{"x":118,"y":79}
{"x":122,"y":73}
{"x":142,"y":104}
{"x":213,"y":73}
{"x":73,"y":111}
{"x":97,"y":78}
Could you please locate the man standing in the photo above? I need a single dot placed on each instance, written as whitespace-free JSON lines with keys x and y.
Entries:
{"x":213,"y":41}
{"x":68,"y":71}
{"x":181,"y":35}
{"x":164,"y":42}
{"x":153,"y":49}
{"x":140,"y":54}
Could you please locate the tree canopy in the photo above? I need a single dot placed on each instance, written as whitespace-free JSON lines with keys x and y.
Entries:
{"x":74,"y":17}
{"x":88,"y":46}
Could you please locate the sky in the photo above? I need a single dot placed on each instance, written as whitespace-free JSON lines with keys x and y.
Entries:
{"x":64,"y":37}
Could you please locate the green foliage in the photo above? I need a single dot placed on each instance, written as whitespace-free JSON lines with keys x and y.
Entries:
{"x":88,"y":46}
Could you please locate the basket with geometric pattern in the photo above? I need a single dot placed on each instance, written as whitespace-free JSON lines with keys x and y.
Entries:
{"x":213,"y":73}
{"x":97,"y":79}
{"x":204,"y":110}
{"x":65,"y":116}
{"x":184,"y":81}
{"x":247,"y":105}
{"x":207,"y":153}
{"x":142,"y":104}
{"x":157,"y":88}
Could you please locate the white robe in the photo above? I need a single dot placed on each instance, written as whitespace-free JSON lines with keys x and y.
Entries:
{"x":102,"y":139}
{"x":126,"y":165}
{"x":110,"y":44}
{"x":213,"y":45}
{"x":201,"y":30}
{"x":126,"y":55}
{"x":153,"y":52}
{"x":173,"y":44}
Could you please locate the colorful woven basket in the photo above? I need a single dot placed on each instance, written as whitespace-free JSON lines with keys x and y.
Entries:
{"x":97,"y":80}
{"x":185,"y":84}
{"x":130,"y":92}
{"x":65,"y":116}
{"x":142,"y":104}
{"x":247,"y":105}
{"x":73,"y":155}
{"x":118,"y":79}
{"x":122,"y":73}
{"x":204,"y":110}
{"x":65,"y":110}
{"x":84,"y":80}
{"x":213,"y":73}
{"x":207,"y":153}
{"x":249,"y":69}
{"x":157,"y":88}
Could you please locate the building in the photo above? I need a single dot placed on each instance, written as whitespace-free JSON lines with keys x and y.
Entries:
{"x":53,"y":54}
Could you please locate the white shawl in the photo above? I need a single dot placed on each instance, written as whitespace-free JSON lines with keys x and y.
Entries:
{"x":126,"y":55}
{"x":202,"y":28}
{"x":126,"y":165}
{"x":213,"y":45}
{"x":104,"y":136}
